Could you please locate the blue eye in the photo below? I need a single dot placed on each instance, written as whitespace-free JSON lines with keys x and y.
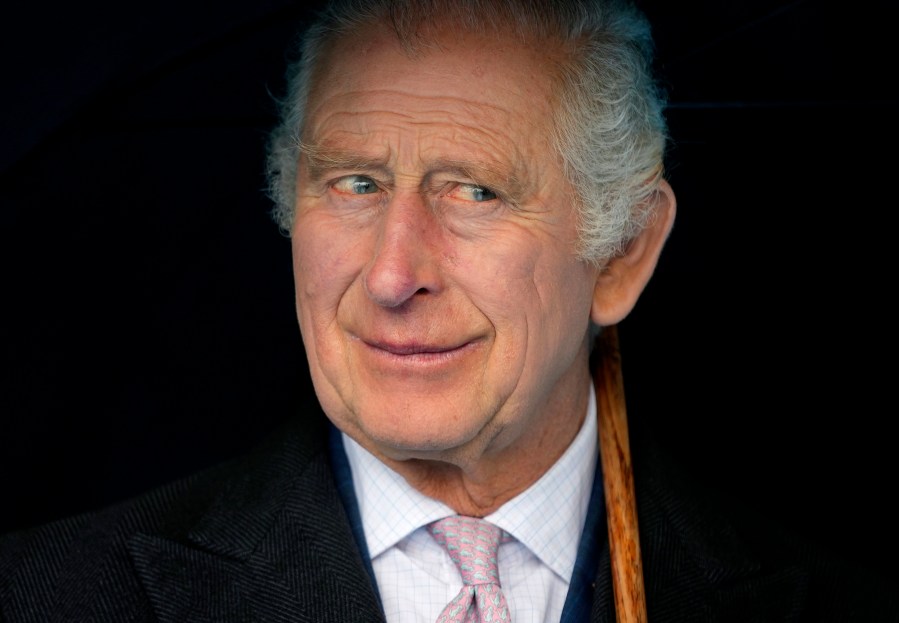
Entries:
{"x":356,"y":185}
{"x":477,"y":193}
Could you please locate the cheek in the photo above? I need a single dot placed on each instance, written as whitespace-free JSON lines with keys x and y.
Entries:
{"x":565,"y":289}
{"x":536,"y":294}
{"x":513,"y":277}
{"x":499,"y":280}
{"x":323,"y":265}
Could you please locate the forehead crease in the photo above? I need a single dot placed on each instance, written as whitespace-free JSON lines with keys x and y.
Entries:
{"x":495,"y":146}
{"x":354,"y":108}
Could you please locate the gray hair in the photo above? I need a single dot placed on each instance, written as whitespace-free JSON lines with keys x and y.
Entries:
{"x":608,"y":126}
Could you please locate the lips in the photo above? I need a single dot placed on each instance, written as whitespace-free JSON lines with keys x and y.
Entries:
{"x":413,"y":348}
{"x":418,"y":355}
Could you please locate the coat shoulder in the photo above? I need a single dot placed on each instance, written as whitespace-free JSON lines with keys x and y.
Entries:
{"x":80,"y":567}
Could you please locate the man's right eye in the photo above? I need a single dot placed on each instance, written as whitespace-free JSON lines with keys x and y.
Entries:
{"x":356,"y":185}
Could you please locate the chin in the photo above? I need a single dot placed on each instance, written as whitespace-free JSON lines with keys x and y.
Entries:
{"x":420,"y":435}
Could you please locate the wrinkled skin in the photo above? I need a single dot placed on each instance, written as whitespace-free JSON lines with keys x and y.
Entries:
{"x":443,"y":309}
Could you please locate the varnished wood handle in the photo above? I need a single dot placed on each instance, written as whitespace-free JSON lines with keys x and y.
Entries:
{"x":618,"y":481}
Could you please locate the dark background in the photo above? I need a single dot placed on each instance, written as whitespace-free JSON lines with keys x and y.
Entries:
{"x":147,"y":307}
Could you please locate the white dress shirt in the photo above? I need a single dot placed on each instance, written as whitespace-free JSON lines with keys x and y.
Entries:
{"x":415,"y":576}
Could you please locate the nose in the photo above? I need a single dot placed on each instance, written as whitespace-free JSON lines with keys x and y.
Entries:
{"x":404,"y":263}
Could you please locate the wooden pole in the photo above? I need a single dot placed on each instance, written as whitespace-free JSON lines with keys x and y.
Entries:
{"x":618,"y":481}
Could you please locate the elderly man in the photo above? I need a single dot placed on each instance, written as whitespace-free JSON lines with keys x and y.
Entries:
{"x":472,"y":190}
{"x":458,"y":220}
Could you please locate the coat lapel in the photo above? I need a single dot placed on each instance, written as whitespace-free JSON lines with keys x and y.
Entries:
{"x":275,"y":545}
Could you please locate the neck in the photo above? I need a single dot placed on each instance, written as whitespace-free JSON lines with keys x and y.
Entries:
{"x":477,"y":482}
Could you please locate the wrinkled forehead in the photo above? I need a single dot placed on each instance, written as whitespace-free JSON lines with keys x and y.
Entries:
{"x":485,"y":69}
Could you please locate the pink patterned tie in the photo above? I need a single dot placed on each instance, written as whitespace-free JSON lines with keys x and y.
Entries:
{"x":472,"y":544}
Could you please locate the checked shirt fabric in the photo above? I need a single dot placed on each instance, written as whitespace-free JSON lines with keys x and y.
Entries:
{"x":472,"y":544}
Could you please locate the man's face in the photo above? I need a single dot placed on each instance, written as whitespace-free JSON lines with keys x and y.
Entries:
{"x":442,"y":307}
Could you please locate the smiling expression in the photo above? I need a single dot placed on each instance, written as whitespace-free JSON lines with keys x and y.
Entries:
{"x":442,"y":306}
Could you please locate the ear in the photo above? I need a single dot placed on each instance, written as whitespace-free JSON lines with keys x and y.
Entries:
{"x":621,"y":282}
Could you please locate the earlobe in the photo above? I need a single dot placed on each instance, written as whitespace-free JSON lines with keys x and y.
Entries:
{"x":621,"y":282}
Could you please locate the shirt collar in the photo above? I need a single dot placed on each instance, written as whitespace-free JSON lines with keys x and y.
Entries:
{"x":390,"y":508}
{"x":547,"y":518}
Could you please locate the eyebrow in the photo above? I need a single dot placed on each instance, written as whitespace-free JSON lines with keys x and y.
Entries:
{"x":484,"y":173}
{"x":323,"y":160}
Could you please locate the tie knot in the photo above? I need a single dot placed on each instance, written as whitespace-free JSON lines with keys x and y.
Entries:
{"x":472,"y":544}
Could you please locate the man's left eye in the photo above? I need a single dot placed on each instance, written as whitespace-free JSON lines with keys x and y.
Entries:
{"x":471,"y":192}
{"x":356,"y":185}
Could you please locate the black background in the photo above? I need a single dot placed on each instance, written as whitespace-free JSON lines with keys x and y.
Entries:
{"x":148,"y":327}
